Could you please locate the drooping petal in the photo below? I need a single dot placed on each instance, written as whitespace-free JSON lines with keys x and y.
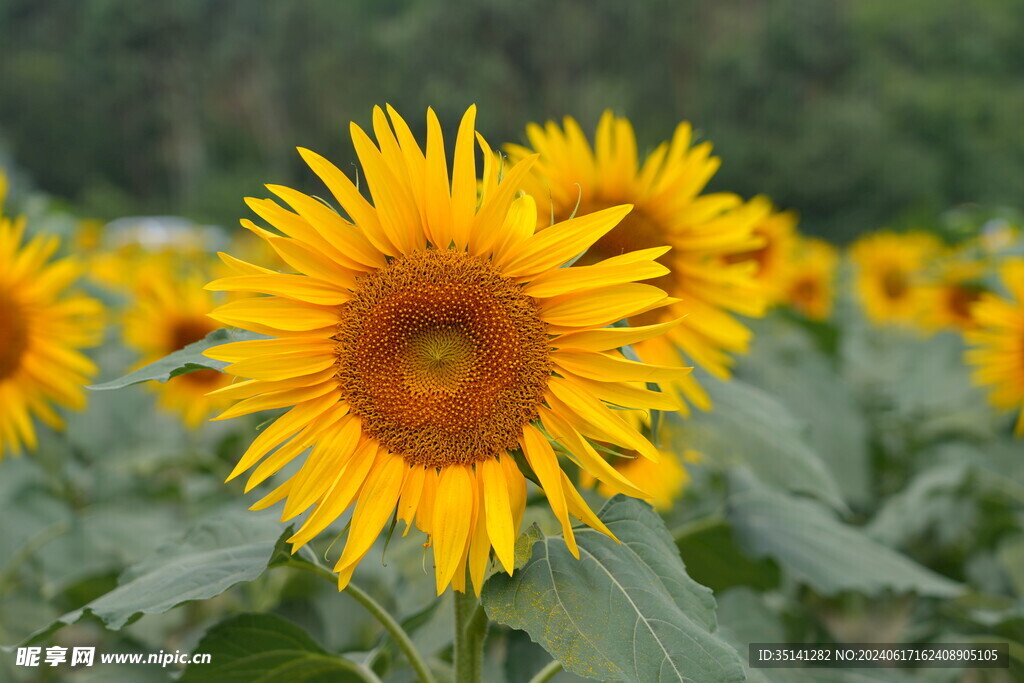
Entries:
{"x":544,"y":462}
{"x":498,"y":507}
{"x":450,"y":525}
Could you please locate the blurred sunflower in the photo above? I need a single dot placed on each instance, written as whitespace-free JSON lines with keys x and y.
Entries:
{"x":428,"y":339}
{"x":809,"y":285}
{"x":778,"y":234}
{"x":999,"y":340}
{"x":119,"y":255}
{"x":890,"y":274}
{"x":168,"y":312}
{"x":43,"y":326}
{"x":703,"y":230}
{"x":958,"y":285}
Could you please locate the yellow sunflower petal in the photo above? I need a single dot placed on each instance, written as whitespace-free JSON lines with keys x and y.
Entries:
{"x":282,"y":365}
{"x":585,"y":454}
{"x":583,"y":409}
{"x":409,"y":501}
{"x":282,"y":428}
{"x":554,"y":246}
{"x":376,"y":503}
{"x":360,"y":210}
{"x":479,"y":551}
{"x":450,"y":526}
{"x":606,"y":339}
{"x":235,"y":352}
{"x":581,"y":511}
{"x":599,"y":307}
{"x":464,"y":194}
{"x":544,"y":462}
{"x":567,"y":280}
{"x":277,"y":314}
{"x":605,"y":368}
{"x":348,"y":480}
{"x":314,"y":477}
{"x":498,"y":507}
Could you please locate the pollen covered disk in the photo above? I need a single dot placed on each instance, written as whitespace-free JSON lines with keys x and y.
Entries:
{"x":443,"y":358}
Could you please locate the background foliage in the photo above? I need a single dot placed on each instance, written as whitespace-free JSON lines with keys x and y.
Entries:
{"x":856,"y":113}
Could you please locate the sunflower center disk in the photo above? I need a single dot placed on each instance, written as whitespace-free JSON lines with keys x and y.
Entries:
{"x":443,"y":358}
{"x":13,"y":336}
{"x":960,"y":299}
{"x":188,"y":330}
{"x":894,"y":284}
{"x":437,"y":360}
{"x":805,"y":291}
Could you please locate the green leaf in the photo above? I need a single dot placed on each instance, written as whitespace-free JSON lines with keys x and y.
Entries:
{"x":1011,"y":557}
{"x":744,"y":613}
{"x":750,"y":427}
{"x":32,"y":515}
{"x":806,"y":539}
{"x":525,"y":543}
{"x":929,"y":506}
{"x":188,"y":359}
{"x":625,"y":612}
{"x":102,"y":538}
{"x":917,"y":391}
{"x":264,"y":647}
{"x":221,"y":551}
{"x":713,"y":559}
{"x":785,"y":362}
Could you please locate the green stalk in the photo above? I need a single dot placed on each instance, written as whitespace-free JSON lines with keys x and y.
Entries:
{"x":386,"y":620}
{"x":470,"y":632}
{"x":547,"y":673}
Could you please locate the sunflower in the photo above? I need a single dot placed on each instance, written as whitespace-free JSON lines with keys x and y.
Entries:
{"x":428,"y":342}
{"x":998,"y":358}
{"x":948,"y":300}
{"x":809,"y":283}
{"x":43,"y":327}
{"x":777,"y":230}
{"x":890,"y":274}
{"x":120,"y":255}
{"x":168,"y":312}
{"x":703,"y":230}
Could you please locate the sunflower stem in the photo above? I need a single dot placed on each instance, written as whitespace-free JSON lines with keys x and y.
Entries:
{"x":547,"y":673}
{"x":394,"y":628}
{"x":470,"y":631}
{"x":386,"y":620}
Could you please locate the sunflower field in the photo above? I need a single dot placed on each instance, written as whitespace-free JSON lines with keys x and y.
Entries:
{"x":554,"y":407}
